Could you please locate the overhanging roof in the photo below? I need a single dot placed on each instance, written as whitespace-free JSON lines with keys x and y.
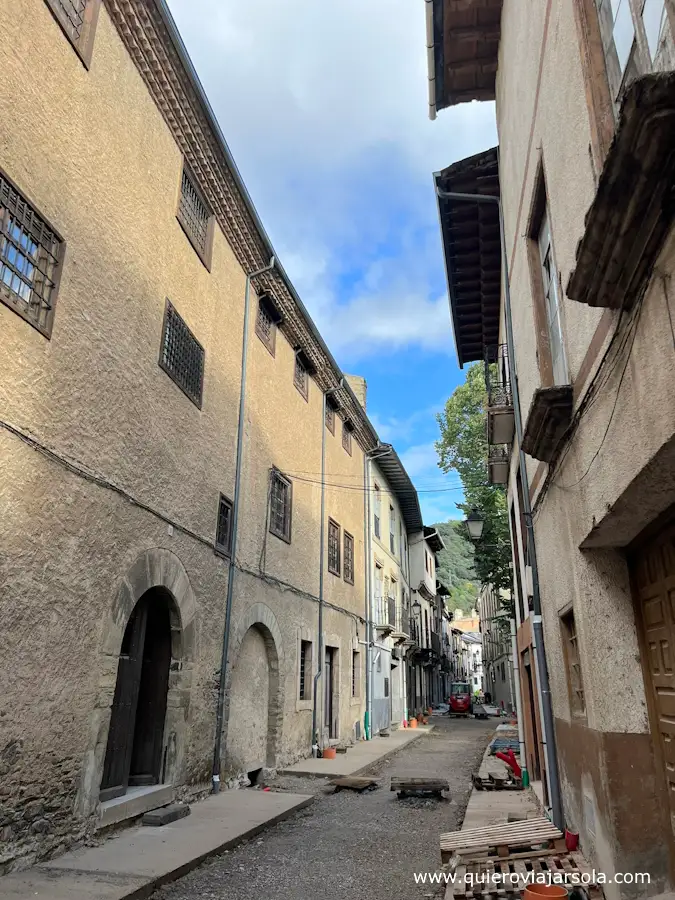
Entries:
{"x":399,"y":481}
{"x":433,"y":539}
{"x":472,"y":249}
{"x":462,"y":50}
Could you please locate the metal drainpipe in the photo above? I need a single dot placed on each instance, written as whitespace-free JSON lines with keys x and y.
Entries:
{"x":366,"y":584}
{"x":515,"y":676}
{"x":543,"y":685}
{"x":322,"y":527}
{"x":220,"y":709}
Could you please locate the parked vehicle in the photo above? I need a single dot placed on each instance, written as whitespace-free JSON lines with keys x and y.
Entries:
{"x":460,"y":699}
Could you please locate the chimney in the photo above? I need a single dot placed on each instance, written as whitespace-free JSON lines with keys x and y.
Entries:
{"x":358,"y":385}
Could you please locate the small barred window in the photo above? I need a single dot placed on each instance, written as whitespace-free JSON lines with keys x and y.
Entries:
{"x":224,"y":527}
{"x":349,"y":558}
{"x":182,"y":356}
{"x":333,"y":547}
{"x":330,"y":419}
{"x":78,"y":19}
{"x":301,"y":377}
{"x":194,"y":216}
{"x":30,"y":260}
{"x":280,"y":506}
{"x":347,"y":438}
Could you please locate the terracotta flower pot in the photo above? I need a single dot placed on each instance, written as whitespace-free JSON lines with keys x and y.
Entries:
{"x":329,"y":753}
{"x":541,"y":891}
{"x":425,"y":721}
{"x":412,"y":723}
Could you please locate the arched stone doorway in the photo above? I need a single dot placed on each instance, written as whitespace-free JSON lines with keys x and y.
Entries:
{"x":159,"y":579}
{"x":255,"y":695}
{"x":134,"y":756}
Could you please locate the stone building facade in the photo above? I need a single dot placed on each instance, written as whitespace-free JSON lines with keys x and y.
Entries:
{"x":585,"y":99}
{"x":127,"y":239}
{"x":497,"y":656}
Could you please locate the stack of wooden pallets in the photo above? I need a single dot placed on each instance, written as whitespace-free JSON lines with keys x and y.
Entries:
{"x":496,"y":861}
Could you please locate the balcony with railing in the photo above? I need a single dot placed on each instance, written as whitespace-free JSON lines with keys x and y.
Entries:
{"x":498,"y":464}
{"x":500,"y":417}
{"x":385,"y":614}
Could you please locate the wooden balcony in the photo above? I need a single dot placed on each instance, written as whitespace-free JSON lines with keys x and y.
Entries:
{"x":547,"y":421}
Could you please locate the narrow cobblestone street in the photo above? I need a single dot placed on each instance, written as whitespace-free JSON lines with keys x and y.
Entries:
{"x":362,"y":846}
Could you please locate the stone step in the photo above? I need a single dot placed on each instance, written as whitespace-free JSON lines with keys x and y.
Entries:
{"x":166,"y":814}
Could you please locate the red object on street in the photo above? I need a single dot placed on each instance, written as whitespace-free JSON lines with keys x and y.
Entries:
{"x":571,"y":839}
{"x":510,"y":759}
{"x":460,"y":698}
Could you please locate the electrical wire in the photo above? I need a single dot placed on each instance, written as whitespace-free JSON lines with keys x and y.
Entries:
{"x":361,"y":490}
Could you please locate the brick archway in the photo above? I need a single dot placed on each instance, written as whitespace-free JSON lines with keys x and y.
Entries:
{"x":156,"y":568}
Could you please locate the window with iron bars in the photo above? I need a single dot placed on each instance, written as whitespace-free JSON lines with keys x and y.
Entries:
{"x":224,"y":526}
{"x":377,"y":501}
{"x":301,"y":377}
{"x":77,"y":19}
{"x":347,"y":437}
{"x":348,"y":558}
{"x":330,"y":419}
{"x":265,"y":327}
{"x":182,"y":356}
{"x":281,"y":496}
{"x":305,"y":690}
{"x":31,"y":255}
{"x":195,"y":218}
{"x":333,"y":547}
{"x":573,"y":664}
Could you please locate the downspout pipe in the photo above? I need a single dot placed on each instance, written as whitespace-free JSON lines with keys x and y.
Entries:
{"x":515,"y":681}
{"x":322,"y":534}
{"x":543,"y":685}
{"x":220,"y":709}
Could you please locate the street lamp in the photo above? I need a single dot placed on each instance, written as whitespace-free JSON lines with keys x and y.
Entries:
{"x":417,"y":608}
{"x":474,"y":525}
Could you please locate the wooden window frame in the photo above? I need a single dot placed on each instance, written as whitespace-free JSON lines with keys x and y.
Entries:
{"x":224,"y":549}
{"x":266,"y":307}
{"x":347,"y":436}
{"x":377,"y":511}
{"x":197,"y":400}
{"x":330,"y":419}
{"x":305,"y":669}
{"x":392,"y":534}
{"x":205,"y":253}
{"x":83,"y":44}
{"x":333,"y":569}
{"x":576,"y":692}
{"x":301,"y":384}
{"x":287,"y":533}
{"x":8,"y":297}
{"x":348,"y":540}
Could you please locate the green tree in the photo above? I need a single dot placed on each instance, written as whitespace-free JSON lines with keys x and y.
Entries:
{"x":455,"y":566}
{"x":463,"y":447}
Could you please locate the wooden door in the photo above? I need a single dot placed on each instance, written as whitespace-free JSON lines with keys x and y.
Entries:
{"x":115,"y":778}
{"x":148,"y":737}
{"x":653,"y":574}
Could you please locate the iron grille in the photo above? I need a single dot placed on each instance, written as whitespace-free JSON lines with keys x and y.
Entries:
{"x":301,"y":377}
{"x":333,"y":547}
{"x":347,"y":438}
{"x":355,"y":672}
{"x":330,"y":419}
{"x":264,"y":326}
{"x":280,"y":506}
{"x":72,"y":15}
{"x":497,"y":377}
{"x":194,"y":214}
{"x":182,"y":356}
{"x":29,"y":259}
{"x":349,"y":558}
{"x":224,"y":528}
{"x":391,"y":611}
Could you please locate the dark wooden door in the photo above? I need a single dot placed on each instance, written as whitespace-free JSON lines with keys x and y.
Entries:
{"x":115,"y":778}
{"x":653,"y":574}
{"x":148,"y":741}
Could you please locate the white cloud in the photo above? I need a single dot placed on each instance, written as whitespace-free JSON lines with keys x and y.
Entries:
{"x":325,"y":108}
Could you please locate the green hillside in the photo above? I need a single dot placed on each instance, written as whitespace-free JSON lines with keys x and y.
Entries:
{"x":455,"y":566}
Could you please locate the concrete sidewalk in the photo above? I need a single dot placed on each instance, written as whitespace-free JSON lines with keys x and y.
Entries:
{"x":359,"y":757}
{"x":142,"y":858}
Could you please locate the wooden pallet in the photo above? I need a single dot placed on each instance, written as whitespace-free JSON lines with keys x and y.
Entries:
{"x":354,"y":783}
{"x":501,"y":840}
{"x":496,"y":782}
{"x":419,"y":786}
{"x":500,"y":878}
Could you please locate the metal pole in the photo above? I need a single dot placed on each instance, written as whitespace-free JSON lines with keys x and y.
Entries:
{"x":543,"y":686}
{"x":515,"y":675}
{"x":220,"y":709}
{"x":367,"y":586}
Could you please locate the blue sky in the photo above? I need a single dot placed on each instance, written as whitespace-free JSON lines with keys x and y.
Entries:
{"x":324,"y":106}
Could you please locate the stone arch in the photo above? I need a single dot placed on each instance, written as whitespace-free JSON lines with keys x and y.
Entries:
{"x":155,"y":568}
{"x":261,"y":618}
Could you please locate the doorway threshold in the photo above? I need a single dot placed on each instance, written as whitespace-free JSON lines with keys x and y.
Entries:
{"x":134,"y":803}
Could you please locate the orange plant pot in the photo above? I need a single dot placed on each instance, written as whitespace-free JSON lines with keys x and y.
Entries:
{"x":329,"y":753}
{"x":429,"y":710}
{"x":541,"y":891}
{"x":412,"y":723}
